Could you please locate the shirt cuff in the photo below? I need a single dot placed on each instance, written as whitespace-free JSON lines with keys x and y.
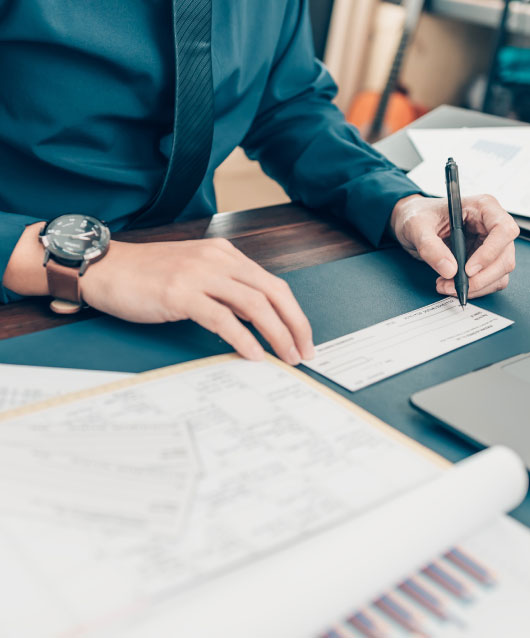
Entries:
{"x":373,"y":198}
{"x":11,"y":228}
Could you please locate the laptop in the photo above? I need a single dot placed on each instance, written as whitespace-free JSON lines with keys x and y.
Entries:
{"x":489,"y":406}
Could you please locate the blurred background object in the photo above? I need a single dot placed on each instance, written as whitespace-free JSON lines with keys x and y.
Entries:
{"x":457,"y":50}
{"x":380,"y":113}
{"x":507,"y":88}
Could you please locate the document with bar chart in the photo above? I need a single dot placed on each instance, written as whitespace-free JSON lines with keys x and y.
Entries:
{"x":479,"y":589}
{"x":245,"y":500}
{"x":490,"y":160}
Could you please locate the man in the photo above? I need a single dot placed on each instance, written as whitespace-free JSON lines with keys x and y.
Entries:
{"x":87,"y":126}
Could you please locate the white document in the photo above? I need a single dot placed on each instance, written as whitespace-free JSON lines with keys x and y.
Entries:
{"x":490,"y":160}
{"x":286,"y":476}
{"x":361,"y":358}
{"x":279,"y":461}
{"x":20,"y":385}
{"x":93,"y":463}
{"x":337,"y":573}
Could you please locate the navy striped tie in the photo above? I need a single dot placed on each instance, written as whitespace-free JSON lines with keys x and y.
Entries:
{"x":193,"y":123}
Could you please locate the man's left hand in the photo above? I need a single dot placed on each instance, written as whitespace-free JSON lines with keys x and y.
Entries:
{"x":421,"y":225}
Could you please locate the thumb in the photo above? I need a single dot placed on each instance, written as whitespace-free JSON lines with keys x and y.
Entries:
{"x":436,"y":253}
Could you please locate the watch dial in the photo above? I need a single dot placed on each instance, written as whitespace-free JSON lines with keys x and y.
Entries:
{"x":76,"y":236}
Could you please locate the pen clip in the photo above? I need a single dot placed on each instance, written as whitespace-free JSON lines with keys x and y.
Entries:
{"x":453,"y":194}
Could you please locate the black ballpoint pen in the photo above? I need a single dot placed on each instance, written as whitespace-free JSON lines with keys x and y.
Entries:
{"x":458,"y":239}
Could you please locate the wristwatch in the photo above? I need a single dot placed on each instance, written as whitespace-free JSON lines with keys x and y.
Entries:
{"x":71,"y":243}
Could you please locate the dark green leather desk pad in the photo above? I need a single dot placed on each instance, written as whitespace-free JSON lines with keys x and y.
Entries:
{"x":338,"y":297}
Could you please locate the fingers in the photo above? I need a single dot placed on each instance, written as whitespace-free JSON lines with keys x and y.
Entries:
{"x":501,"y":231}
{"x":247,"y":290}
{"x":433,"y":250}
{"x":448,"y":288}
{"x":283,"y":302}
{"x":422,"y":224}
{"x":497,"y":286}
{"x":220,"y":320}
{"x":419,"y":225}
{"x":488,"y":226}
{"x":260,"y":312}
{"x":503,"y":265}
{"x":492,"y":278}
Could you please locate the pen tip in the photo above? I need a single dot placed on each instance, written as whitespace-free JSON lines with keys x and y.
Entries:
{"x":462,"y":298}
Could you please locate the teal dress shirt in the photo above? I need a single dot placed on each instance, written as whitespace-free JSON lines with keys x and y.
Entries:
{"x":86,"y":113}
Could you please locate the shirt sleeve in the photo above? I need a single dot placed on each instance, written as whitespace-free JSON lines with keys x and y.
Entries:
{"x":11,"y":228}
{"x":303,"y":141}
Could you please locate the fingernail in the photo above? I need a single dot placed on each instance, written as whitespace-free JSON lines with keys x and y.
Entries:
{"x":257,"y":353}
{"x":309,"y":351}
{"x":445,"y":268}
{"x":473,"y":270}
{"x":446,"y":289}
{"x":293,"y":357}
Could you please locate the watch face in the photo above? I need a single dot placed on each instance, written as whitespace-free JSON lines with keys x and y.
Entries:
{"x":76,"y":237}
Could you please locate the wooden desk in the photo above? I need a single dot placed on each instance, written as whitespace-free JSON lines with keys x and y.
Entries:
{"x":280,"y":238}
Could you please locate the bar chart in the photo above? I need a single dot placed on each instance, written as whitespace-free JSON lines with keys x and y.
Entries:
{"x":430,"y":604}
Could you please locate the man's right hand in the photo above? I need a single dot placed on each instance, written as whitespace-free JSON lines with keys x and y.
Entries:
{"x":208,"y":281}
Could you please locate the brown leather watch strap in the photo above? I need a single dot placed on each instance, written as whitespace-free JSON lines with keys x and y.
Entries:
{"x":63,"y":282}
